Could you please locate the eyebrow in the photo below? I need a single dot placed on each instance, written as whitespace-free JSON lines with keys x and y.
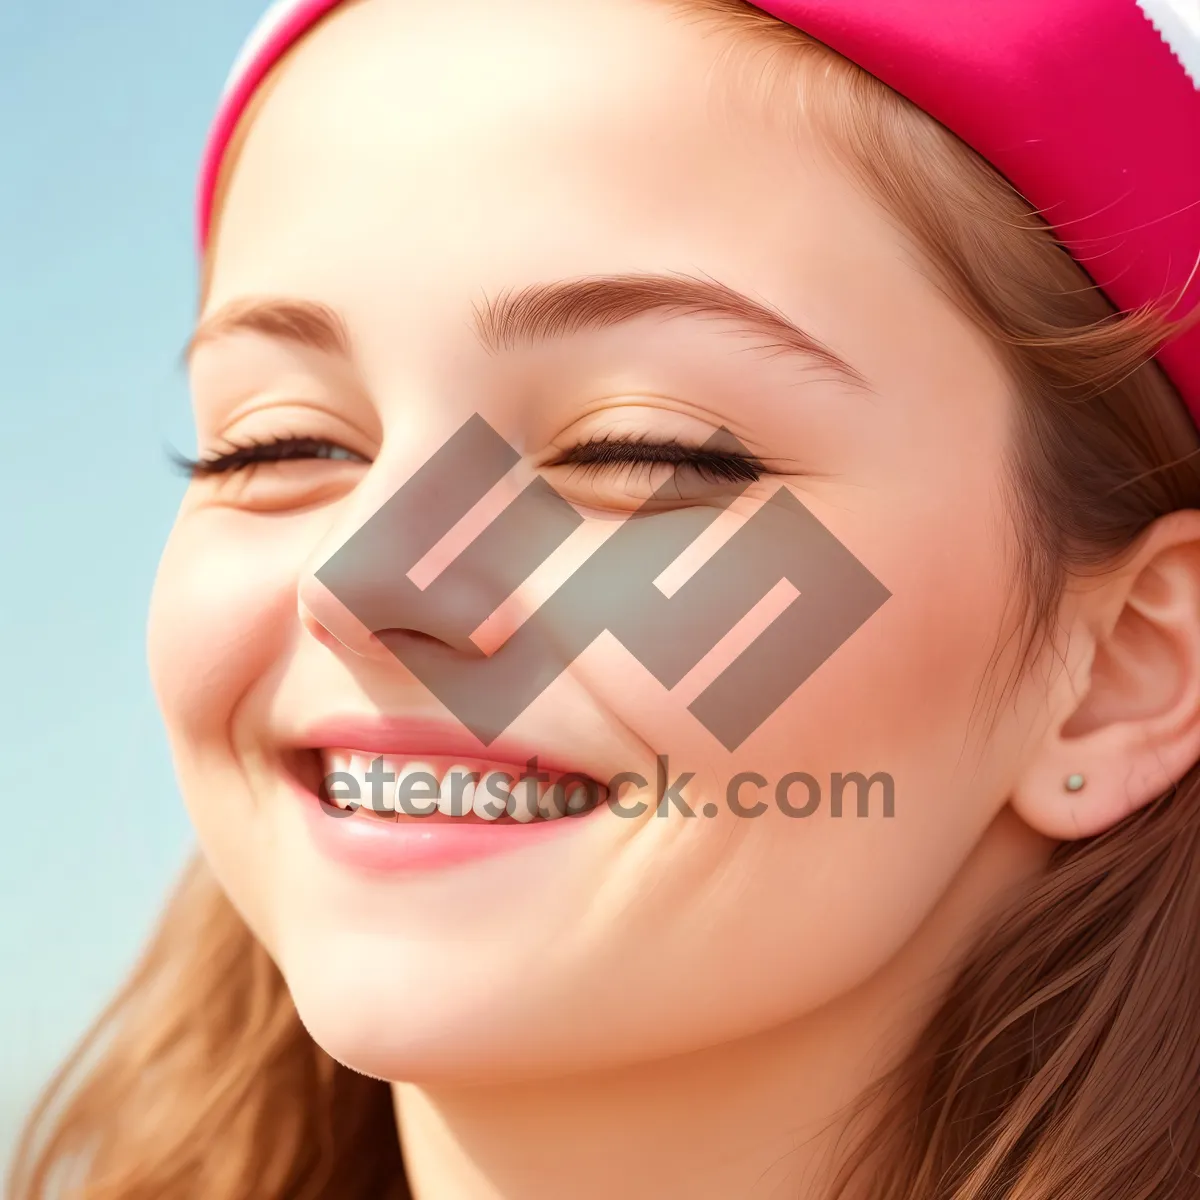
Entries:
{"x":545,"y":312}
{"x":304,"y":322}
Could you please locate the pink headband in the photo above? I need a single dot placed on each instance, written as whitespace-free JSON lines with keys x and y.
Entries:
{"x":1090,"y":108}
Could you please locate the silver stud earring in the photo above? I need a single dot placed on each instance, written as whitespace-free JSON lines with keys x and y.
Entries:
{"x":1074,"y":782}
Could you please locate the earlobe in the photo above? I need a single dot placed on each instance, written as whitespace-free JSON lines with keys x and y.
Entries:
{"x":1127,"y":727}
{"x":1071,"y":805}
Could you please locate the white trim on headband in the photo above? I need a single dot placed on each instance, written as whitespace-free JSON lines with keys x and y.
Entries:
{"x":1178,"y":24}
{"x":268,"y":25}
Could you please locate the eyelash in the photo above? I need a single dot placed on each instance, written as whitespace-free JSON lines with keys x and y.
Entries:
{"x":593,"y":457}
{"x":598,"y":455}
{"x":241,"y":455}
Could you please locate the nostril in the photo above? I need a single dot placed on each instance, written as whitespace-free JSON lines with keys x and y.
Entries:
{"x":410,"y":645}
{"x":316,"y":629}
{"x":326,"y":619}
{"x":387,"y":636}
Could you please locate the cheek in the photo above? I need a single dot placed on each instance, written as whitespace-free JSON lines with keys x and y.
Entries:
{"x":921,"y":670}
{"x":905,"y":698}
{"x":222,"y":624}
{"x":791,"y":911}
{"x":223,"y":611}
{"x":899,"y":694}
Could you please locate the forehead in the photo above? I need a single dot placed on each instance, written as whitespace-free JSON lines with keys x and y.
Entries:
{"x":411,"y":156}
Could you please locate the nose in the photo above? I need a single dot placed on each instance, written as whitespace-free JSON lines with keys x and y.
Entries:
{"x":357,"y":595}
{"x":365,"y":585}
{"x":362,"y":596}
{"x":362,"y":599}
{"x":327,"y":619}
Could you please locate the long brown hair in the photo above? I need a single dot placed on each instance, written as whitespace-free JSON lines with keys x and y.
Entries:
{"x":1064,"y":1061}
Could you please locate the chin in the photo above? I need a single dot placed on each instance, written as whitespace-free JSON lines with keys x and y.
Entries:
{"x":383,"y":1014}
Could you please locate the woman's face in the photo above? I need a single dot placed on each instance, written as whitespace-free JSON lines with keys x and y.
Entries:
{"x":415,"y":166}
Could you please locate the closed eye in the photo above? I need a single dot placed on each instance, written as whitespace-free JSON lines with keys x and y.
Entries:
{"x":628,"y":453}
{"x":625,"y":456}
{"x":239,"y":456}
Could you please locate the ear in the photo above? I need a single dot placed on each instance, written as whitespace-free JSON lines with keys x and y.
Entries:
{"x":1125,"y":715}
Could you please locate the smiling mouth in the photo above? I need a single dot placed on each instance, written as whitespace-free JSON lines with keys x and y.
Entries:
{"x":366,"y":785}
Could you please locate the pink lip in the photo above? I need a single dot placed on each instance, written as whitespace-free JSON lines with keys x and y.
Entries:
{"x":417,"y":736}
{"x":410,"y":844}
{"x":369,"y":843}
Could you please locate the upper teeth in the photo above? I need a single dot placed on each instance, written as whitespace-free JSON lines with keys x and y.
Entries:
{"x":457,"y":793}
{"x":421,"y":788}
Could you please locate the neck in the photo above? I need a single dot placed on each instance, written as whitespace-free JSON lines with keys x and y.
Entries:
{"x":761,"y":1117}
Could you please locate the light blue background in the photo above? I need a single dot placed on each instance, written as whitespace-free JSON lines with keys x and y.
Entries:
{"x":103,"y":109}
